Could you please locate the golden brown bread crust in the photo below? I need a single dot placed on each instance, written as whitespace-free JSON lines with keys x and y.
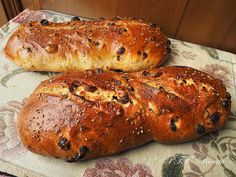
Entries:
{"x":123,"y":44}
{"x":90,"y":114}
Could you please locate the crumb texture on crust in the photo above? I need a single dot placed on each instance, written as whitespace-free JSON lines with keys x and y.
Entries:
{"x":83,"y":115}
{"x":124,"y":44}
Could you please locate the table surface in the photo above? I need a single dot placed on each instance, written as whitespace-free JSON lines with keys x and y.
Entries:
{"x":212,"y":155}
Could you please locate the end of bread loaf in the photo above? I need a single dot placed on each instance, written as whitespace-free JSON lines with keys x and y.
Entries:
{"x":84,"y":115}
{"x":184,"y":103}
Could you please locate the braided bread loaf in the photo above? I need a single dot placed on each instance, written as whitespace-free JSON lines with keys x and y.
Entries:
{"x":80,"y":116}
{"x":116,"y":44}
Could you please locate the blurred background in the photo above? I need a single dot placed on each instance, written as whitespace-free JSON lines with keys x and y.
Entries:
{"x":207,"y":22}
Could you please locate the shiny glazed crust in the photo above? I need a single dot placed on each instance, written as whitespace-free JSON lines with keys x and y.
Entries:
{"x":121,"y":44}
{"x":89,"y":114}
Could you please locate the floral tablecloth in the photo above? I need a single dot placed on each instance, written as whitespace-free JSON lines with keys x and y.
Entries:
{"x":213,"y":155}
